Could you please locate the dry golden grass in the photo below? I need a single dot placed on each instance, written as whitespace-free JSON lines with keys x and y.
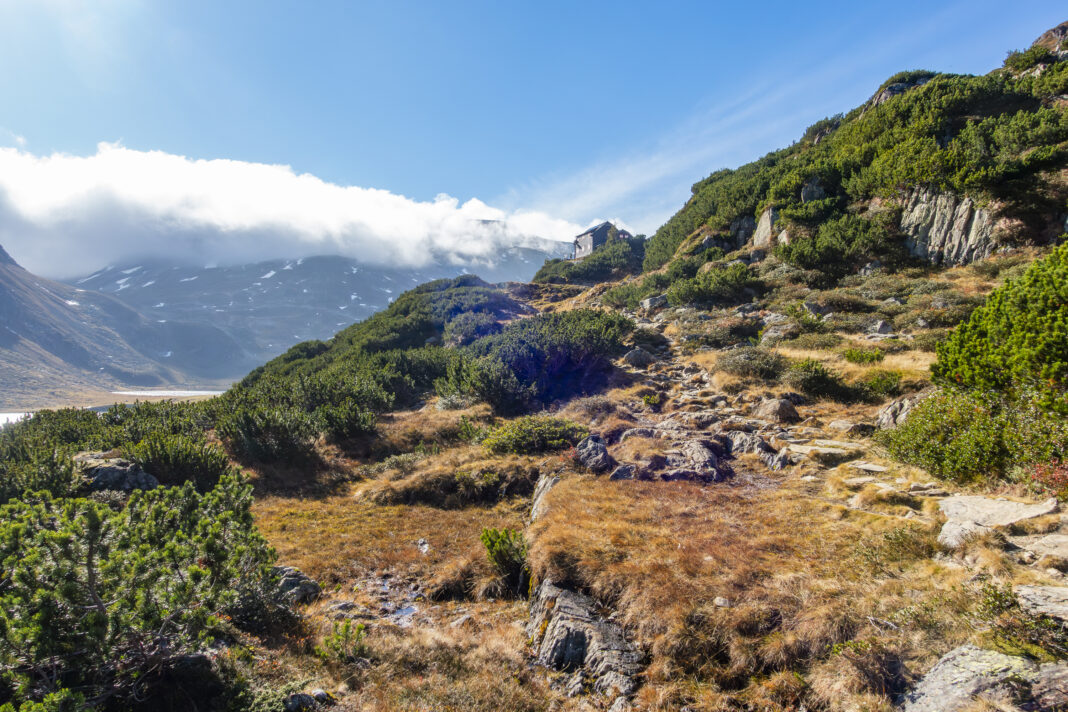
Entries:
{"x":336,"y":538}
{"x":802,"y":576}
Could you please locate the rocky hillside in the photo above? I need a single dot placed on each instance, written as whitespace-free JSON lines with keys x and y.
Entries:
{"x":269,"y":306}
{"x":58,"y":340}
{"x":814,"y":471}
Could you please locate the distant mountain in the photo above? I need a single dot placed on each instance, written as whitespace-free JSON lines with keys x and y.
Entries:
{"x":269,"y":306}
{"x":57,"y":340}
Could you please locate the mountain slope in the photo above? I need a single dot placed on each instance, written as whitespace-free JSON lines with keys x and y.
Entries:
{"x":57,"y":339}
{"x":269,"y":306}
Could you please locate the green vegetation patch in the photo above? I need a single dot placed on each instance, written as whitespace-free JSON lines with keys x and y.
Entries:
{"x":534,"y":434}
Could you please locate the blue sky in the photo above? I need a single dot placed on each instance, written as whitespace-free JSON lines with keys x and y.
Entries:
{"x":574,"y":111}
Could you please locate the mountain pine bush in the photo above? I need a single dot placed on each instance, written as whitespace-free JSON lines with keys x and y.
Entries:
{"x":1018,"y":339}
{"x":533,"y":434}
{"x":95,"y":600}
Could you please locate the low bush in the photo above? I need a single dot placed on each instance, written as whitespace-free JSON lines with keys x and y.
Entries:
{"x":176,"y":459}
{"x":262,"y":433}
{"x":470,"y":326}
{"x":815,"y":380}
{"x":1052,"y":478}
{"x":344,"y":645}
{"x":878,"y":385}
{"x":719,"y":285}
{"x":813,"y":340}
{"x":862,"y":355}
{"x":969,"y":436}
{"x":534,"y":434}
{"x":752,"y":363}
{"x":93,"y":599}
{"x":507,"y":552}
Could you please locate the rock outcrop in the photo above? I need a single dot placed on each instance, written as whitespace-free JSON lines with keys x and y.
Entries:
{"x":539,"y":506}
{"x":946,"y":229}
{"x":1049,"y":601}
{"x":294,"y":586}
{"x":568,"y":635}
{"x":891,"y":90}
{"x":113,"y":473}
{"x":765,"y":229}
{"x":593,"y":454}
{"x":967,"y":672}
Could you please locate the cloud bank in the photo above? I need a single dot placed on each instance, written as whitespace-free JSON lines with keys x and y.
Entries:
{"x":64,"y":215}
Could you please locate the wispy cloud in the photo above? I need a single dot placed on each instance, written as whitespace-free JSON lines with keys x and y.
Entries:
{"x":646,"y":186}
{"x":62,"y":214}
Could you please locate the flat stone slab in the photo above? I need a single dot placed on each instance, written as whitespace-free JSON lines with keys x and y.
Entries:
{"x":825,"y":455}
{"x":836,"y":443}
{"x":868,"y":467}
{"x":1049,"y":601}
{"x":1049,"y":545}
{"x":961,"y":675}
{"x":993,"y":512}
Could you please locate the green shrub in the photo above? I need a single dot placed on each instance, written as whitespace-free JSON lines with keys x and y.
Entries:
{"x":752,"y":363}
{"x":863,"y":355}
{"x":507,"y":552}
{"x":815,"y":380}
{"x":813,"y":340}
{"x":176,"y":459}
{"x":261,"y":433}
{"x":719,"y":285}
{"x":1018,"y":339}
{"x":534,"y":434}
{"x":345,"y":644}
{"x":35,"y":467}
{"x":85,"y":587}
{"x":969,"y":436}
{"x":61,"y":701}
{"x":1022,"y":61}
{"x":878,"y":385}
{"x":346,"y":421}
{"x":534,"y":360}
{"x":470,"y":326}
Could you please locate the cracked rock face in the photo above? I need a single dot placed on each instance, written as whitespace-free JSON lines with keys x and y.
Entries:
{"x":593,"y":454}
{"x":991,"y":512}
{"x":568,"y":635}
{"x":944,"y":228}
{"x":1050,"y":601}
{"x":539,"y":506}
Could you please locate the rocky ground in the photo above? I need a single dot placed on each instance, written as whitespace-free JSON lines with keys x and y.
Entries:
{"x":690,"y":512}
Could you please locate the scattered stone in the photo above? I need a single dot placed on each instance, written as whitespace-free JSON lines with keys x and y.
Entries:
{"x":639,"y":358}
{"x":881,"y":327}
{"x":778,"y":410}
{"x":810,"y":478}
{"x":567,"y":634}
{"x":623,"y":472}
{"x":113,"y":473}
{"x":954,"y":534}
{"x":1052,"y":545}
{"x":461,"y":621}
{"x":1050,"y":601}
{"x":993,"y":512}
{"x":423,"y":546}
{"x":859,"y":481}
{"x":721,"y":602}
{"x":322,"y":696}
{"x":539,"y":506}
{"x":294,"y":586}
{"x":593,"y":454}
{"x":621,"y":704}
{"x":700,"y":455}
{"x":967,"y":672}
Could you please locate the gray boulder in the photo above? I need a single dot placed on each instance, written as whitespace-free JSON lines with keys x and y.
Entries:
{"x":1049,"y":601}
{"x":967,"y":672}
{"x":568,"y":635}
{"x":765,"y":228}
{"x":895,"y":412}
{"x":777,"y":410}
{"x":654,"y":302}
{"x":300,"y":702}
{"x":113,"y":473}
{"x":294,"y":586}
{"x":955,"y":534}
{"x":624,"y":472}
{"x":881,"y":327}
{"x":593,"y":454}
{"x":639,"y":358}
{"x":742,"y":442}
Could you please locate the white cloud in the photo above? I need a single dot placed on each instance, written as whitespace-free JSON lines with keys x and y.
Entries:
{"x":62,"y":215}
